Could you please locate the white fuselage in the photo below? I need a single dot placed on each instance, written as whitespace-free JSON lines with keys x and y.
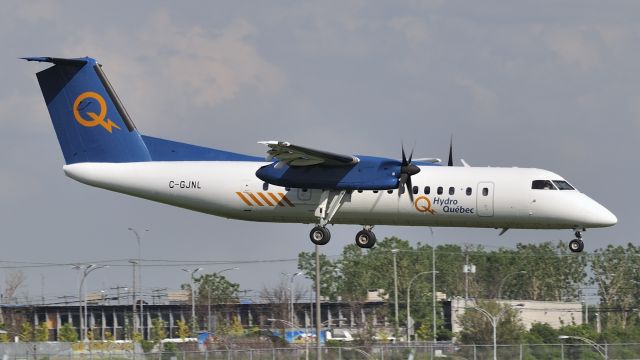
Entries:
{"x":470,"y":196}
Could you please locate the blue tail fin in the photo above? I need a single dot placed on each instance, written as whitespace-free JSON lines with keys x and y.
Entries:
{"x":88,"y":117}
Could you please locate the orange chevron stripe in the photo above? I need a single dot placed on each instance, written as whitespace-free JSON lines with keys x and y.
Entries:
{"x":276,"y":199}
{"x":246,"y":201}
{"x":264,"y":198}
{"x":284,"y":197}
{"x":255,"y":199}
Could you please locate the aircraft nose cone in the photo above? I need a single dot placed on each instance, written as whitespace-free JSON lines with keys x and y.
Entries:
{"x":608,"y":218}
{"x":601,"y":216}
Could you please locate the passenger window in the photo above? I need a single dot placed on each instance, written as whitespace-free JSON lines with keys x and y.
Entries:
{"x":542,"y":185}
{"x":563,"y":185}
{"x":469,"y":191}
{"x":360,"y":191}
{"x":287,"y":189}
{"x":389,"y":191}
{"x":415,"y":190}
{"x":440,"y":190}
{"x":452,"y":190}
{"x":485,"y":191}
{"x":265,"y":186}
{"x":375,"y":191}
{"x":305,"y":190}
{"x":427,"y":190}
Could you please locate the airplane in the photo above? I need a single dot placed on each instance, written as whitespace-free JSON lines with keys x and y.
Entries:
{"x":295,"y":184}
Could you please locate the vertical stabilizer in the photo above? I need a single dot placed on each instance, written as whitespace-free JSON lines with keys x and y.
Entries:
{"x":87,"y":115}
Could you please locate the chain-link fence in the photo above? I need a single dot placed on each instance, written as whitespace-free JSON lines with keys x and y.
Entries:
{"x":62,"y":351}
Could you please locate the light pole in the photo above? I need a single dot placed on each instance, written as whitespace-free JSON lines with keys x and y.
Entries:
{"x":318,"y":308}
{"x":292,"y":277}
{"x":409,"y":302}
{"x":395,"y":286}
{"x":193,"y":298}
{"x":602,"y":350}
{"x":139,"y":263}
{"x":504,"y":279}
{"x":209,"y":297}
{"x":494,"y":323}
{"x":86,"y":270}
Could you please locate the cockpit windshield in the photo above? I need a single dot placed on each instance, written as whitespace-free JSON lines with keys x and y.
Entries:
{"x":551,"y":185}
{"x":563,"y":185}
{"x":542,"y":185}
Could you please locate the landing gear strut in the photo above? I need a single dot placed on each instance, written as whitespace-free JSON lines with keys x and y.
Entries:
{"x":577,"y":245}
{"x":320,"y":235}
{"x":365,"y":238}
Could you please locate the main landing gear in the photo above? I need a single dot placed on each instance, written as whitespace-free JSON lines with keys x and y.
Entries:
{"x":577,"y":245}
{"x":365,"y":238}
{"x":330,"y":203}
{"x":320,"y":235}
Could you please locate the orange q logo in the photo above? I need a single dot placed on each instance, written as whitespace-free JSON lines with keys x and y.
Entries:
{"x":96,"y":119}
{"x":423,"y":204}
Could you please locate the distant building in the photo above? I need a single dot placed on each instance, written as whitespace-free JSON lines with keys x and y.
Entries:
{"x":554,"y":313}
{"x":118,"y":320}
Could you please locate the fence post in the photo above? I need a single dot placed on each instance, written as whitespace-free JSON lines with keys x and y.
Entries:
{"x":340,"y":353}
{"x":474,"y":352}
{"x":520,"y":351}
{"x":250,"y":354}
{"x":273,"y":353}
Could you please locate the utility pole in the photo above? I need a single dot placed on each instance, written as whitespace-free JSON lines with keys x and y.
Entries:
{"x":318,"y":313}
{"x":139,"y":263}
{"x":86,"y":269}
{"x":433,"y":273}
{"x":291,"y":276}
{"x":134,"y":317}
{"x":395,"y":287}
{"x":193,"y":298}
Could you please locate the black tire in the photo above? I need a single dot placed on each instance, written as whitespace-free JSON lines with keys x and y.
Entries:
{"x":320,"y":235}
{"x":576,"y":245}
{"x":365,"y":239}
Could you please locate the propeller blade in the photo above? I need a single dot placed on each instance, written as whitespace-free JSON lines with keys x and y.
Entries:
{"x":410,"y":189}
{"x":450,"y":163}
{"x":404,"y":158}
{"x":410,"y":156}
{"x":401,"y":182}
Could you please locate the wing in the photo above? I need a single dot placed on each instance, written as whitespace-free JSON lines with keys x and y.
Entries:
{"x":294,"y":155}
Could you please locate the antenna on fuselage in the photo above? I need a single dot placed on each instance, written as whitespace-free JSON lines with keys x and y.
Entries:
{"x":450,"y":162}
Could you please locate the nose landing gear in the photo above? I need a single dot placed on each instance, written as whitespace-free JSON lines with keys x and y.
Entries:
{"x":577,"y":245}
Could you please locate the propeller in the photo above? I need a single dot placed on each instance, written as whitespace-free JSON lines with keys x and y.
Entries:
{"x":407,"y":169}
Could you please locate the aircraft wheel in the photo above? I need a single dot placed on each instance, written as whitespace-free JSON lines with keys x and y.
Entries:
{"x":576,"y":245}
{"x":365,"y":239}
{"x":320,"y":235}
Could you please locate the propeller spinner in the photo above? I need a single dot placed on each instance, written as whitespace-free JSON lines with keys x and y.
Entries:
{"x":407,"y":169}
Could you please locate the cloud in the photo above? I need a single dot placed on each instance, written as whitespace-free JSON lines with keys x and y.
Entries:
{"x":576,"y":47}
{"x":414,"y":29}
{"x":170,"y":67}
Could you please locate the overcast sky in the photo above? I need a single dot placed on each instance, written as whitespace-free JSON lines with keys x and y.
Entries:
{"x":547,"y":84}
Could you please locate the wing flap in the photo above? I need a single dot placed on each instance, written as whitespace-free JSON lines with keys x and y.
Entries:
{"x":294,"y":155}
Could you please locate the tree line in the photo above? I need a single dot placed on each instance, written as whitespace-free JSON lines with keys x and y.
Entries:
{"x":545,"y":272}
